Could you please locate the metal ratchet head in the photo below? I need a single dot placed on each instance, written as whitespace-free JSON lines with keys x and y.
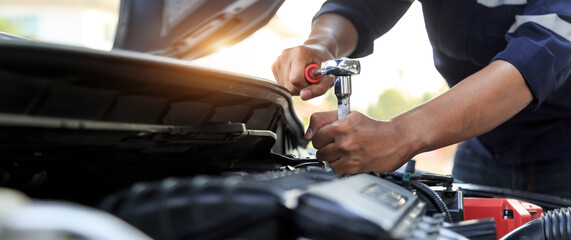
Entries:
{"x":340,"y":67}
{"x":341,"y":70}
{"x":334,"y":67}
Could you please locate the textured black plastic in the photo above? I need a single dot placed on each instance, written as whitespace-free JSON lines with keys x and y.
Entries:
{"x":454,"y":201}
{"x":530,"y":230}
{"x":434,"y":198}
{"x":235,"y":206}
{"x":202,"y":208}
{"x":481,"y":229}
{"x":358,"y":207}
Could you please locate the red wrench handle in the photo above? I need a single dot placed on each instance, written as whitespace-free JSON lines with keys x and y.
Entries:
{"x":311,"y":75}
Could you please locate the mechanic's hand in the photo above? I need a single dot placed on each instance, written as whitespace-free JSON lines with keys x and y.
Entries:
{"x":357,"y":143}
{"x":289,"y":70}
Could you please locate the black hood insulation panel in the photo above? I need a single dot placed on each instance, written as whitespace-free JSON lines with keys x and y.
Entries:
{"x":77,"y":85}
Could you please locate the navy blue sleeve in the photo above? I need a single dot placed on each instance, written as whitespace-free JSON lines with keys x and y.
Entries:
{"x":539,"y":46}
{"x":372,"y":18}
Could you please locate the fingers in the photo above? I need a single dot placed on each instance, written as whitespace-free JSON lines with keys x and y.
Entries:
{"x":300,"y":60}
{"x":355,"y":143}
{"x":346,"y":166}
{"x":338,"y":160}
{"x":289,"y":70}
{"x":342,"y":153}
{"x":314,"y":90}
{"x":317,"y":121}
{"x":282,"y":68}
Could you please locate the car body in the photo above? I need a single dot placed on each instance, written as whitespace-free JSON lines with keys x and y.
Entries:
{"x":181,"y":151}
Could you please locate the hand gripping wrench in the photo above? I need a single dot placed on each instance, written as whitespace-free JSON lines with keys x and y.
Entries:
{"x":341,"y":70}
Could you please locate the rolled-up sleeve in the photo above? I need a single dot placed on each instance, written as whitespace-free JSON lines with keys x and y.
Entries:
{"x":539,"y":46}
{"x":371,"y":18}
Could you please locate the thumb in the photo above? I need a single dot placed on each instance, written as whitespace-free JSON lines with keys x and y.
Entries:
{"x":317,"y":121}
{"x":316,"y":90}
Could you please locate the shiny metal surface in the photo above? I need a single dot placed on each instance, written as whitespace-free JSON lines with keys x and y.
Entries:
{"x":340,"y":67}
{"x":343,"y":108}
{"x":342,"y":70}
{"x":342,"y":86}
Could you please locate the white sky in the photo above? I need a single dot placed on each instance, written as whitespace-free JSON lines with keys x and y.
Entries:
{"x":402,"y":57}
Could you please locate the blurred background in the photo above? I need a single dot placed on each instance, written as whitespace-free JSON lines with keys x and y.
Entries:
{"x":398,"y":76}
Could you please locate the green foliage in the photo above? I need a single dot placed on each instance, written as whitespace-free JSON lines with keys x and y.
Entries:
{"x":331,"y":99}
{"x":393,"y":102}
{"x":389,"y":104}
{"x":9,"y":27}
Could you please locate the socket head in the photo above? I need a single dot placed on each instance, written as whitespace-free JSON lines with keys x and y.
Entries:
{"x":340,"y":67}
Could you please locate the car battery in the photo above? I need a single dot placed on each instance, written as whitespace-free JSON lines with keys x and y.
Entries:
{"x":507,"y":213}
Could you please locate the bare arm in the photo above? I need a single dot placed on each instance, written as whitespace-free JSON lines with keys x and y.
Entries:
{"x":334,"y":32}
{"x":473,"y":107}
{"x":476,"y":105}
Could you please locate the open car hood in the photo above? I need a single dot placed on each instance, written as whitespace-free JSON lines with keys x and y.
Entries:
{"x":189,"y":29}
{"x":65,"y":101}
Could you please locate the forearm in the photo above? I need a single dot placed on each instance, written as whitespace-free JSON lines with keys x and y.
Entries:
{"x":334,"y":32}
{"x":476,"y":105}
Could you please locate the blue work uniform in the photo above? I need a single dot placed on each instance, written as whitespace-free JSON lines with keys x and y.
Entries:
{"x":466,"y":35}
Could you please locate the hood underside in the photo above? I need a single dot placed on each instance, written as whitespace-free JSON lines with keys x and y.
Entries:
{"x":189,"y":29}
{"x":60,"y":99}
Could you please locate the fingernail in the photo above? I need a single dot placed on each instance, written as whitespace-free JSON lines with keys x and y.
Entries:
{"x":305,"y":94}
{"x":309,"y":134}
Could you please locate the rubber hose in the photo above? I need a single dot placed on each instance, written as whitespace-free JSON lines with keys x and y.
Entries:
{"x":434,"y":198}
{"x":555,"y":224}
{"x":422,"y":176}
